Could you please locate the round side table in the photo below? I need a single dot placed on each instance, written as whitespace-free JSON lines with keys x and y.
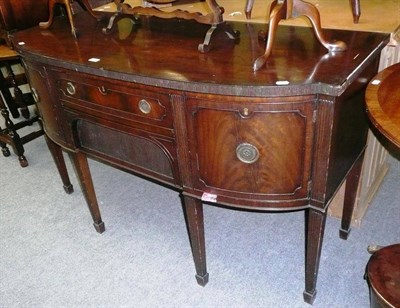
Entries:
{"x":383,"y":104}
{"x":383,"y":108}
{"x":383,"y":276}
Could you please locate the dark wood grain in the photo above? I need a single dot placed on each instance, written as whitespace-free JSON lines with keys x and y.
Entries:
{"x":303,"y":136}
{"x":164,"y":53}
{"x":383,"y":275}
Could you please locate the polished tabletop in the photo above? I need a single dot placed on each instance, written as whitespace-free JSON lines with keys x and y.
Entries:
{"x":165,"y":54}
{"x":383,"y":103}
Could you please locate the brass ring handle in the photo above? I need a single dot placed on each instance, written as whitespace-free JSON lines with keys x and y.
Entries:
{"x":103,"y":90}
{"x":247,"y":153}
{"x":144,"y":106}
{"x":70,"y":88}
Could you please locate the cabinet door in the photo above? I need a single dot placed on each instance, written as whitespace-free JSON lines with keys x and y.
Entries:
{"x":45,"y":101}
{"x":244,"y":151}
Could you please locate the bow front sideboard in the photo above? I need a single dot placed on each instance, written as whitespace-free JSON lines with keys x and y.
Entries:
{"x":143,"y":99}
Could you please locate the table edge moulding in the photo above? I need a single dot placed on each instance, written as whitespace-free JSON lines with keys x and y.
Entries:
{"x":382,"y":97}
{"x":143,"y":99}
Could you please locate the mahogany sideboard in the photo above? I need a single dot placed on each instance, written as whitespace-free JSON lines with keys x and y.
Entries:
{"x":143,"y":99}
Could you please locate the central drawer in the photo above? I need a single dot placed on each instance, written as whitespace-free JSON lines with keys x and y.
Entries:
{"x":122,"y":102}
{"x":123,"y":123}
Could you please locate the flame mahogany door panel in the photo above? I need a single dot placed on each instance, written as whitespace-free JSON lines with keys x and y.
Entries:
{"x":247,"y":149}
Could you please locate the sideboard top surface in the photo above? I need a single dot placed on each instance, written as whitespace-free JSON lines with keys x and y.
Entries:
{"x":164,"y":53}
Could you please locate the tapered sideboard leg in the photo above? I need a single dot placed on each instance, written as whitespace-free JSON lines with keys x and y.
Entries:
{"x":85,"y":180}
{"x":58,"y":157}
{"x":195,"y":224}
{"x":315,"y":227}
{"x":350,"y":196}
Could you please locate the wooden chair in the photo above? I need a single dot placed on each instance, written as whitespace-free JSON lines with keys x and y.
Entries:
{"x":16,"y":97}
{"x":14,"y":16}
{"x":14,"y":101}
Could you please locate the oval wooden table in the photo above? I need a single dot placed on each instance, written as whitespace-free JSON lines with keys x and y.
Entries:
{"x":383,"y":109}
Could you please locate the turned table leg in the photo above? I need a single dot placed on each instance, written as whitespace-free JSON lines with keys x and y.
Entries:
{"x":278,"y":12}
{"x":286,"y":9}
{"x":315,"y":227}
{"x":356,"y":10}
{"x":85,"y":180}
{"x":58,"y":157}
{"x":67,"y":4}
{"x":195,"y":224}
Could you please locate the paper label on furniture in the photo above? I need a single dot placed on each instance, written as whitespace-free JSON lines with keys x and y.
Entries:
{"x":209,"y":197}
{"x":282,"y":83}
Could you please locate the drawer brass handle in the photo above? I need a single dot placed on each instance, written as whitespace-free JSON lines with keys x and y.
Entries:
{"x":71,"y":88}
{"x":247,"y":153}
{"x":144,"y":106}
{"x":35,"y":95}
{"x":103,"y":90}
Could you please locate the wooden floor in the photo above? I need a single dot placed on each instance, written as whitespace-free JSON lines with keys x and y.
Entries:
{"x":376,"y":15}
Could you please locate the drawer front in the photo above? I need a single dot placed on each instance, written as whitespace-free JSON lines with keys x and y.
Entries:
{"x":252,"y":150}
{"x":117,"y":101}
{"x":125,"y":124}
{"x":149,"y":155}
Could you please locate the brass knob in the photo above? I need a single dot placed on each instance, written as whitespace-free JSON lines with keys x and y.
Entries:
{"x":35,"y":95}
{"x":144,"y":106}
{"x":247,"y":153}
{"x":70,"y":88}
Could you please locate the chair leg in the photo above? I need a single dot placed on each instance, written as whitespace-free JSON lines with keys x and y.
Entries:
{"x":10,"y":135}
{"x":4,"y":149}
{"x":19,"y":97}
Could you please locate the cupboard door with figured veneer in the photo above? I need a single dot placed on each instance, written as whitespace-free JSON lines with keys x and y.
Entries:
{"x":253,"y":150}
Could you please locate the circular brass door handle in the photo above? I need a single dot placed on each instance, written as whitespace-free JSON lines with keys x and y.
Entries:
{"x":247,"y":153}
{"x":144,"y":106}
